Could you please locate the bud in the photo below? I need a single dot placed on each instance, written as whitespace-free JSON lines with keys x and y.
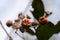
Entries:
{"x":15,"y":25}
{"x":21,"y":16}
{"x":9,"y":23}
{"x":26,"y":22}
{"x":43,"y":20}
{"x":28,"y":17}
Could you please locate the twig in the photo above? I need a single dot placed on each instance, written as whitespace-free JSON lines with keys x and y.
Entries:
{"x":19,"y":35}
{"x":10,"y":38}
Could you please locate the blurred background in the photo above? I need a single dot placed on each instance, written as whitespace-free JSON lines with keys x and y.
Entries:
{"x":9,"y":9}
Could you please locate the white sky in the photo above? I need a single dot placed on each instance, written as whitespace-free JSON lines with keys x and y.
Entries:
{"x":9,"y":9}
{"x":54,"y":7}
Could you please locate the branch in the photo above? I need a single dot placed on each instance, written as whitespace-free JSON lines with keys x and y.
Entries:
{"x":10,"y":38}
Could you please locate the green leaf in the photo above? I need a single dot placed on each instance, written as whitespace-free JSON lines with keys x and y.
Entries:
{"x":44,"y":32}
{"x":30,"y":31}
{"x":57,"y":27}
{"x":38,"y":9}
